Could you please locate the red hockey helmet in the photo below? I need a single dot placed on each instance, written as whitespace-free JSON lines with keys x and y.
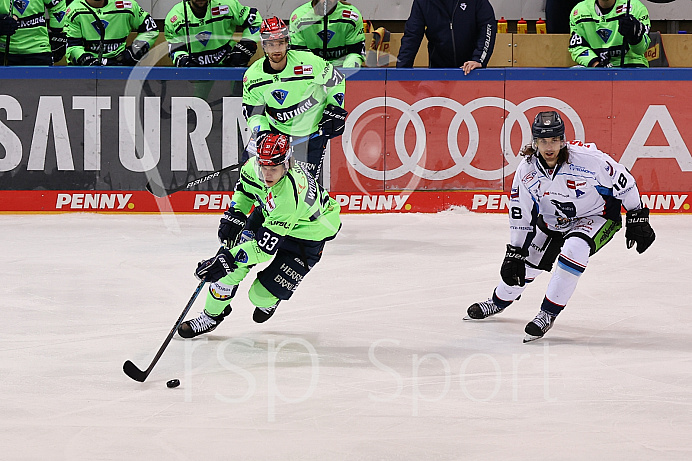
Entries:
{"x":274,"y":149}
{"x":273,"y":29}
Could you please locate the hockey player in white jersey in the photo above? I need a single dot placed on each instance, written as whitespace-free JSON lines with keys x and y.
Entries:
{"x":565,"y":204}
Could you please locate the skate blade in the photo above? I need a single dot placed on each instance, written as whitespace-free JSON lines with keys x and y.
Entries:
{"x":530,"y":338}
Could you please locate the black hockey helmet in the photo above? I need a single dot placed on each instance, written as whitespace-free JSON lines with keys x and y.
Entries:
{"x":548,"y":124}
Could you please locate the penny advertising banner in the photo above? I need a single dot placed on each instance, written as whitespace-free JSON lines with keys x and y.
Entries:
{"x":416,"y":140}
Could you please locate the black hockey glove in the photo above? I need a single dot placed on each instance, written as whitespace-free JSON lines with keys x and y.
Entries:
{"x":241,"y":54}
{"x":58,"y":43}
{"x":231,"y":226}
{"x":603,"y":60}
{"x":184,"y":60}
{"x":216,"y":268}
{"x":131,"y":55}
{"x":631,"y":29}
{"x":333,"y":121}
{"x":513,"y":270}
{"x":8,"y":25}
{"x":638,"y":230}
{"x":89,"y":60}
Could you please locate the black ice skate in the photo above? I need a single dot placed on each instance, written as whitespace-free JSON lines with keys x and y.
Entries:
{"x":262,"y":314}
{"x":202,"y":324}
{"x":539,"y":326}
{"x":483,"y":310}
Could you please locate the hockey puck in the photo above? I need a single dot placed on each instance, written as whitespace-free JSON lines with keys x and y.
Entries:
{"x":173,"y":383}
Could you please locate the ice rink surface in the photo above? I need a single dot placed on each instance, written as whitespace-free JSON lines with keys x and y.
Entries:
{"x":370,"y":360}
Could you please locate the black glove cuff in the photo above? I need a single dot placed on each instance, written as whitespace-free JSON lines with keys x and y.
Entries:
{"x":516,"y":253}
{"x":637,"y":216}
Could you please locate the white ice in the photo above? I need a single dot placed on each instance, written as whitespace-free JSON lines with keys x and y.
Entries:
{"x":370,"y":360}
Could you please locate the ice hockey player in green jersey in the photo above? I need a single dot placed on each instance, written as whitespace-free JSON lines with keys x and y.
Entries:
{"x":300,"y":217}
{"x":603,"y":29}
{"x":344,"y":32}
{"x":97,"y":31}
{"x":295,"y":93}
{"x":200,"y":33}
{"x":38,"y":38}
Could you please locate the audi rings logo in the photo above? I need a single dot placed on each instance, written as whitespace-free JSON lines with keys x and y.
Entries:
{"x":463,"y":113}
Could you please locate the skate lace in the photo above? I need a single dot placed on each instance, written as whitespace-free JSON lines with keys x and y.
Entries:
{"x":489,"y":307}
{"x":543,"y":320}
{"x":202,"y":323}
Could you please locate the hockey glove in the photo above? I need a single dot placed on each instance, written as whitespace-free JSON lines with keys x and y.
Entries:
{"x":58,"y":43}
{"x":231,"y":226}
{"x":241,"y":54}
{"x":8,"y":25}
{"x":333,"y":121}
{"x":216,"y":268}
{"x":638,"y":230}
{"x":89,"y":60}
{"x":184,"y":60}
{"x":631,"y":29}
{"x":604,"y":61}
{"x":131,"y":55}
{"x":513,"y":270}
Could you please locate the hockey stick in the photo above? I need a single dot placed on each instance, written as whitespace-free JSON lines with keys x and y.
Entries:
{"x":326,"y":30}
{"x":7,"y":39}
{"x":161,"y":191}
{"x":624,"y":40}
{"x":100,"y":29}
{"x":131,"y":369}
{"x":187,"y":30}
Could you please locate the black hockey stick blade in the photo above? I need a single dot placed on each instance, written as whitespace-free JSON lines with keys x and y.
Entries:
{"x":161,"y":191}
{"x":156,"y":189}
{"x":131,"y":369}
{"x":133,"y":372}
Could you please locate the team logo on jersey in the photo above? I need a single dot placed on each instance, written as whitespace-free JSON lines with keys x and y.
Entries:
{"x":104,"y":24}
{"x":569,"y":210}
{"x":609,"y":169}
{"x":348,"y":14}
{"x":241,"y":257}
{"x":203,"y":37}
{"x":59,"y":15}
{"x":21,"y":5}
{"x":280,"y":95}
{"x":253,"y":29}
{"x":220,"y":10}
{"x":604,"y":34}
{"x":303,"y":70}
{"x":339,"y":97}
{"x":529,"y":176}
{"x":120,"y":4}
{"x":463,"y":6}
{"x":330,"y":34}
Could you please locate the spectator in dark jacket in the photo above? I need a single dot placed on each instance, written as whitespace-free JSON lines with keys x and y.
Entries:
{"x":461,"y":33}
{"x":557,"y":15}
